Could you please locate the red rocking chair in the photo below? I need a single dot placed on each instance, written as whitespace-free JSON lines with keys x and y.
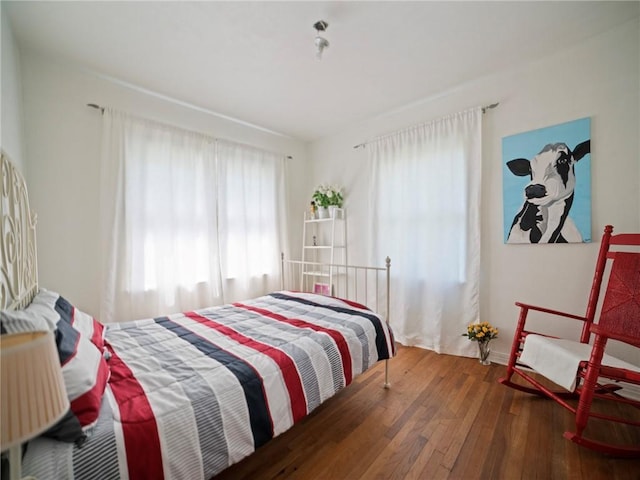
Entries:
{"x":583,"y":368}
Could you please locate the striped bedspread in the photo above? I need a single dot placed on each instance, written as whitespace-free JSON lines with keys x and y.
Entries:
{"x":192,"y":393}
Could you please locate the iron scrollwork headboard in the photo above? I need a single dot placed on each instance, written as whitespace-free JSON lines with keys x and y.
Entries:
{"x":18,"y":267}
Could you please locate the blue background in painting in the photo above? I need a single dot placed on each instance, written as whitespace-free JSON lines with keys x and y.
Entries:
{"x":528,"y":145}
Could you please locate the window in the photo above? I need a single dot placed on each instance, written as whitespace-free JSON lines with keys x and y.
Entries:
{"x":426,"y":208}
{"x":185,"y":214}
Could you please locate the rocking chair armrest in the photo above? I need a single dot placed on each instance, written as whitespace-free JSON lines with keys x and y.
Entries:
{"x":551,"y":311}
{"x":598,"y":330}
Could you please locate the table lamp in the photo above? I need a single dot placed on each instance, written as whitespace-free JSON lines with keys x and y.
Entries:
{"x":33,"y":394}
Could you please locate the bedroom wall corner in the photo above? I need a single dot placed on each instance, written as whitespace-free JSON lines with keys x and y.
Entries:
{"x":11,"y":123}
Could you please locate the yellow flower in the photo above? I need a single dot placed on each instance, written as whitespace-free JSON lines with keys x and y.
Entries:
{"x":481,"y":331}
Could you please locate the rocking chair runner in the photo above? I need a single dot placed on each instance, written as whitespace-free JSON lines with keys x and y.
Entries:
{"x":581,"y":367}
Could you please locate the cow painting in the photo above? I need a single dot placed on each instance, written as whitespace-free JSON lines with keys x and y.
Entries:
{"x":548,"y":197}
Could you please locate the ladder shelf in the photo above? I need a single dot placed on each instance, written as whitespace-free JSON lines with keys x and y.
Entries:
{"x":324,"y":240}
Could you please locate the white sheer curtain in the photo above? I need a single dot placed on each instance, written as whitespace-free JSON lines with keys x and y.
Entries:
{"x":165,"y":202}
{"x":251,"y":226}
{"x":425,"y":199}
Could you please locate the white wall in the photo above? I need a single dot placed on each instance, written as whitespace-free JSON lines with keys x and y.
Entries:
{"x":598,"y":79}
{"x":63,"y":136}
{"x":11,"y":97}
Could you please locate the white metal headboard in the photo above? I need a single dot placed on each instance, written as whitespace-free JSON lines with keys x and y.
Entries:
{"x":18,"y":261}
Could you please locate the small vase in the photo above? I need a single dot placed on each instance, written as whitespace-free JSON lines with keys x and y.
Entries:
{"x":484,"y":353}
{"x":323,"y":212}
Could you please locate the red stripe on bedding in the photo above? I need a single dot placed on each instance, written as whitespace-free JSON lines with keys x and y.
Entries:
{"x":351,"y":303}
{"x":343,"y":348}
{"x":139,"y":427}
{"x":287,"y":365}
{"x":87,"y":406}
{"x":97,"y":329}
{"x":98,"y":334}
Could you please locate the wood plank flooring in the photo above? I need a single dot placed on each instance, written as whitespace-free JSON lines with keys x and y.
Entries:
{"x":444,"y":417}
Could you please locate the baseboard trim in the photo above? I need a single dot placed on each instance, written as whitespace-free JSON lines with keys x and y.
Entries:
{"x":500,"y":358}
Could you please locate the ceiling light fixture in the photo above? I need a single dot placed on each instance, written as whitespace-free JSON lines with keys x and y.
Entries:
{"x":320,"y":42}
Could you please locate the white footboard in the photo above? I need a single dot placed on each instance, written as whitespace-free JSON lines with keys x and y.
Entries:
{"x":369,"y":286}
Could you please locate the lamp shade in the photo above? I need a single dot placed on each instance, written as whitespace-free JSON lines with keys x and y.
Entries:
{"x":33,"y":394}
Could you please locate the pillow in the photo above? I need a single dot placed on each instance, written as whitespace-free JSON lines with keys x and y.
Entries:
{"x":84,"y":367}
{"x":36,"y":317}
{"x":44,"y":312}
{"x":68,"y":429}
{"x":81,"y":321}
{"x":85,"y":373}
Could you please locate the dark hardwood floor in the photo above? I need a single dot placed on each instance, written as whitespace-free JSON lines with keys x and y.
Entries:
{"x":445,"y":417}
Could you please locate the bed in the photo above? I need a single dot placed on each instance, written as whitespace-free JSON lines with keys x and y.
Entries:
{"x":184,"y":396}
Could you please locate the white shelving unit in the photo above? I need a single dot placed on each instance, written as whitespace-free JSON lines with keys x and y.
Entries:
{"x":324,"y":240}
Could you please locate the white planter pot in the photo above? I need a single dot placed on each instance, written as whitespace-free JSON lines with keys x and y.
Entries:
{"x":323,"y":212}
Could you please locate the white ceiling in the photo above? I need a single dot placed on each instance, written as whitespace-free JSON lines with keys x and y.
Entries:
{"x":255,"y":61}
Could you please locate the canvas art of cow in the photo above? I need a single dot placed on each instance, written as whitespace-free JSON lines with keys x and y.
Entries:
{"x":548,"y":197}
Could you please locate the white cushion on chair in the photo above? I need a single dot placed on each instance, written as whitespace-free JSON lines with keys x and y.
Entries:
{"x":558,"y":359}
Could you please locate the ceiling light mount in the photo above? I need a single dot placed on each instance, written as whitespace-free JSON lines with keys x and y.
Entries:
{"x":320,"y":25}
{"x":320,"y":42}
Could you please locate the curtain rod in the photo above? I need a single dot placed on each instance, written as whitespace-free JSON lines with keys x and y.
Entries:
{"x":98,"y":107}
{"x":484,"y":110}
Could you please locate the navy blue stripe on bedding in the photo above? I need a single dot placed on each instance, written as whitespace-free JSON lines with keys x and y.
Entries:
{"x":272,"y":338}
{"x":64,"y":309}
{"x":249,"y":379}
{"x":381,"y":340}
{"x":67,"y":339}
{"x":203,"y":399}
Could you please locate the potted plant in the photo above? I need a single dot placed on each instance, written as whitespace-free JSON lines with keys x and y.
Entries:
{"x":326,"y":197}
